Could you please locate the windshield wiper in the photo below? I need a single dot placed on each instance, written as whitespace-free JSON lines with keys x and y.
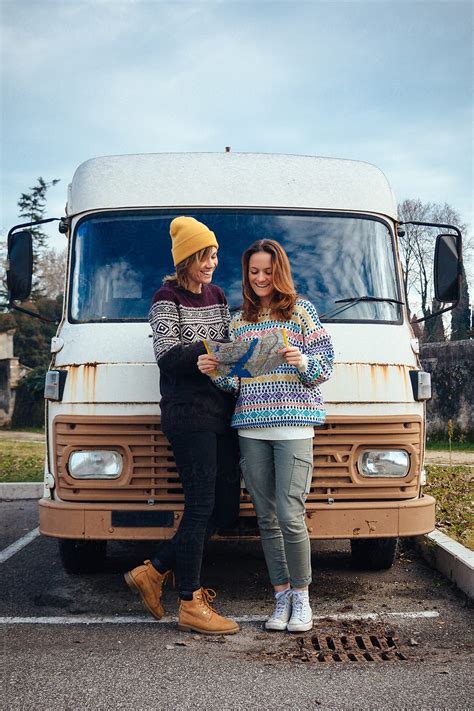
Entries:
{"x":356,"y":299}
{"x":353,"y":300}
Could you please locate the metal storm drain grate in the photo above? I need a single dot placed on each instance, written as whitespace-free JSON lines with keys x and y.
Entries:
{"x":350,"y":648}
{"x":344,"y":642}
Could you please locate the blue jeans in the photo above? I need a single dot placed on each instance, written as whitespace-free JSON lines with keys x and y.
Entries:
{"x":278,"y":476}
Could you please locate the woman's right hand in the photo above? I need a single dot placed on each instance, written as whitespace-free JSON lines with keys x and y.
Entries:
{"x":207,"y":364}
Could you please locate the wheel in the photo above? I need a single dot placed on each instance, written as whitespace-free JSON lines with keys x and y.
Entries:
{"x":82,"y":556}
{"x":373,"y":553}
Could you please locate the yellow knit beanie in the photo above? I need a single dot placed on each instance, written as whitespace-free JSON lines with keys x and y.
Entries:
{"x":189,"y":236}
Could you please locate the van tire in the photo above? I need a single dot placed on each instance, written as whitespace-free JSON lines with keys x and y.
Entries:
{"x":79,"y":556}
{"x":373,"y":553}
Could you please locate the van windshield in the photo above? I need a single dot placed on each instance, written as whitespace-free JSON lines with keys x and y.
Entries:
{"x":120,"y":259}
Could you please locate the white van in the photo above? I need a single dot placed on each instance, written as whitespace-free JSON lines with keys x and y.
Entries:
{"x":110,"y":472}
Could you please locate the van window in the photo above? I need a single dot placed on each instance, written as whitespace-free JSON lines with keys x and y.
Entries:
{"x":120,"y":259}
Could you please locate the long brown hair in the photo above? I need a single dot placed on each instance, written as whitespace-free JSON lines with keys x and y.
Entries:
{"x":181,"y":274}
{"x":284,"y":297}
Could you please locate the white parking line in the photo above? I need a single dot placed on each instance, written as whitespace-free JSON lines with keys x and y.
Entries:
{"x":18,"y":545}
{"x":134,"y":620}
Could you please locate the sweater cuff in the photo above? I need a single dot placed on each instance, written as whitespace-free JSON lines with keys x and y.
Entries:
{"x":304,"y":365}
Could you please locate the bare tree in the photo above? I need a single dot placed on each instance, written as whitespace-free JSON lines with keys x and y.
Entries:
{"x":51,"y":270}
{"x":414,"y":244}
{"x":418,"y":248}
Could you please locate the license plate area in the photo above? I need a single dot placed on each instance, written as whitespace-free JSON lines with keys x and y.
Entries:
{"x":142,"y":519}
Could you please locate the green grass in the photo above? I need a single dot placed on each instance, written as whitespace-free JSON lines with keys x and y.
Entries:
{"x":443,"y":445}
{"x":21,"y":461}
{"x":38,"y":430}
{"x":453,"y":488}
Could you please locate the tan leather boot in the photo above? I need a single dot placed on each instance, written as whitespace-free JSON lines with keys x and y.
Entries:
{"x":148,"y":582}
{"x":197,"y":615}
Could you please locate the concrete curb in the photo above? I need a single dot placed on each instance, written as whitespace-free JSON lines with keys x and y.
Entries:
{"x":24,"y":490}
{"x":450,"y":558}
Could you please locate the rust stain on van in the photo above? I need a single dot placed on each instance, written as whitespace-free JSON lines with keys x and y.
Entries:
{"x":87,"y":383}
{"x":365,"y":364}
{"x":379,"y":374}
{"x":380,"y":377}
{"x":90,"y":380}
{"x":377,"y":371}
{"x":71,"y":382}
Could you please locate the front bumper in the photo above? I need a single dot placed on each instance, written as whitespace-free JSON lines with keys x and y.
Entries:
{"x":137,"y":522}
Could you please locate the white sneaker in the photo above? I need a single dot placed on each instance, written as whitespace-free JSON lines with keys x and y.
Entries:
{"x":302,"y":615}
{"x":281,"y":615}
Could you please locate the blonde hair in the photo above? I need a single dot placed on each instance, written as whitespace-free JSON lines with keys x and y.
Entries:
{"x":181,"y":274}
{"x":284,"y":297}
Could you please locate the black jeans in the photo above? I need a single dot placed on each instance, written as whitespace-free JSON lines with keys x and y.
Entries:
{"x":208,"y":468}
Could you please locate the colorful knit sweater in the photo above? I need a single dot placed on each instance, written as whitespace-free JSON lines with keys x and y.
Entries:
{"x":286,"y":396}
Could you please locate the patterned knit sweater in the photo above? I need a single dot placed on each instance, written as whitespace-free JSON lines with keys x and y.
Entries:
{"x":286,"y":396}
{"x":180,"y":320}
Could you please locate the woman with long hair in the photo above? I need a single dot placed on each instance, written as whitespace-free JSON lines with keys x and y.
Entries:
{"x":195,"y":417}
{"x":275,"y":416}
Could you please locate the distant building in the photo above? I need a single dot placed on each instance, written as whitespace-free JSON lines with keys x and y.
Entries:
{"x":11,"y":372}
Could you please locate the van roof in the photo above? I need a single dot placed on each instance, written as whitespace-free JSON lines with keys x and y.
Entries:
{"x":151,"y":180}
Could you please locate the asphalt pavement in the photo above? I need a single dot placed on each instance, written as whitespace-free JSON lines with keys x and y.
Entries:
{"x":85,"y":642}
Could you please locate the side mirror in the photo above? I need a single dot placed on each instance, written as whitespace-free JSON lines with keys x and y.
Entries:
{"x":447,"y":269}
{"x":20,"y":265}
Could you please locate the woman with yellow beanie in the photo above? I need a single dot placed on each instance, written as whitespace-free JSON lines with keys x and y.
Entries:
{"x":195,"y":416}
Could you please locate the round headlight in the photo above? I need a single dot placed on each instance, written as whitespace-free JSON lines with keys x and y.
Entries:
{"x":384,"y":463}
{"x":95,"y":464}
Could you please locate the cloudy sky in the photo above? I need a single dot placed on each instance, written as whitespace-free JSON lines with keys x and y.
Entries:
{"x":387,"y":81}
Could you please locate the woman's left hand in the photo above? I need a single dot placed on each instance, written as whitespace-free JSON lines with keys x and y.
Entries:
{"x":207,"y":364}
{"x":292,"y":355}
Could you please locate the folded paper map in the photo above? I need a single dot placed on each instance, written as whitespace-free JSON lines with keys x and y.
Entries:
{"x":248,"y":359}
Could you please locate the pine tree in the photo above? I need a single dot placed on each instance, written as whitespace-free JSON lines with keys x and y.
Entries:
{"x":32,"y":205}
{"x":434,"y":328}
{"x":461,"y":316}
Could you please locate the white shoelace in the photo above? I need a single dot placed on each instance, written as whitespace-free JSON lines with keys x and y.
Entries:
{"x":299,"y":602}
{"x":281,"y":604}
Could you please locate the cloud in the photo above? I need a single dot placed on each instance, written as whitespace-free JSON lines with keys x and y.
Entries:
{"x":393,"y":87}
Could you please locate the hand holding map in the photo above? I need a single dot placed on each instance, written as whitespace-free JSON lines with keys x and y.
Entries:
{"x":248,"y":359}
